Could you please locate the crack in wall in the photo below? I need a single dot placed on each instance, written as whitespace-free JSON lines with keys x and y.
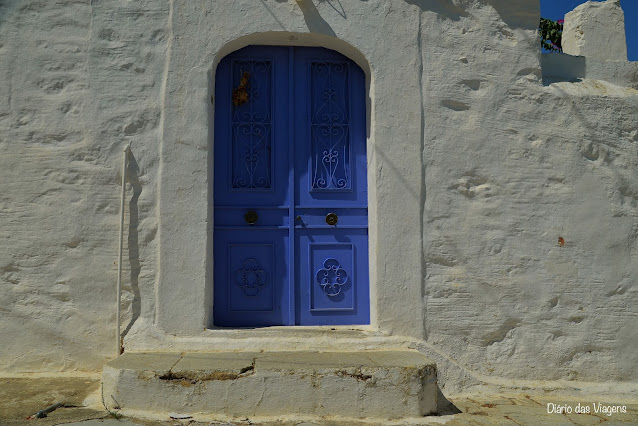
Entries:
{"x":356,"y":375}
{"x":191,"y":377}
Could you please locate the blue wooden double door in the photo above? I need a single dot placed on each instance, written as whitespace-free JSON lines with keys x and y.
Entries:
{"x":290,"y":237}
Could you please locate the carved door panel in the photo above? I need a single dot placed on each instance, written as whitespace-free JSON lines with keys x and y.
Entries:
{"x":330,"y":190}
{"x":290,"y":196}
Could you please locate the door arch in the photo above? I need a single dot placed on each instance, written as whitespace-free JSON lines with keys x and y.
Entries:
{"x":290,"y":238}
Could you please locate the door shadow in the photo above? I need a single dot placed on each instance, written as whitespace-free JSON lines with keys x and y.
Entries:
{"x":132,"y":172}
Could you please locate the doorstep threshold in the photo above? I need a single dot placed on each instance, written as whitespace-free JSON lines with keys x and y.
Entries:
{"x":386,"y":384}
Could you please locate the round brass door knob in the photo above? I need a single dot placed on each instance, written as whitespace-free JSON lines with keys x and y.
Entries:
{"x":251,"y":217}
{"x":332,"y":219}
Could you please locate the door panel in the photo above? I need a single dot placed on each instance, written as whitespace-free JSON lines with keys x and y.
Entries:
{"x":330,"y":133}
{"x":251,"y":141}
{"x":290,"y":231}
{"x":251,"y":162}
{"x":330,"y":275}
{"x":330,"y":167}
{"x":251,"y":278}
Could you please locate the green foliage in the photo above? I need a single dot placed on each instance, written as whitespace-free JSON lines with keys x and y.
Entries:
{"x":551,"y":33}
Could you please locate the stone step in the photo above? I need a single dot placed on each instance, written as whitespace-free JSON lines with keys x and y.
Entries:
{"x":359,"y":384}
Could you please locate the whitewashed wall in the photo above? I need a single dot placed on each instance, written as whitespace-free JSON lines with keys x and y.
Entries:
{"x":488,"y":165}
{"x":79,"y":81}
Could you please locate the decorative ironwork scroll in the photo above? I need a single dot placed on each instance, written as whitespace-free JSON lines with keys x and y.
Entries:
{"x":329,"y":125}
{"x":252,"y":125}
{"x":331,"y":277}
{"x":251,"y":277}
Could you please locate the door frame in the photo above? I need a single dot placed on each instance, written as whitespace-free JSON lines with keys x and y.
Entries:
{"x":182,"y":297}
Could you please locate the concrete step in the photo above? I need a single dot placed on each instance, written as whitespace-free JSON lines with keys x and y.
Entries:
{"x":363,"y":384}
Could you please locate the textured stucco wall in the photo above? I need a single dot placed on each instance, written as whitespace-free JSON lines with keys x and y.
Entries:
{"x":596,"y":30}
{"x":476,"y":169}
{"x":78,"y":82}
{"x":511,"y":165}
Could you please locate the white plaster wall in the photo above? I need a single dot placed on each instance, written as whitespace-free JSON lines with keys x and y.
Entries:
{"x":511,"y":165}
{"x":476,"y":169}
{"x":596,"y":30}
{"x":562,"y":67}
{"x":78,"y":81}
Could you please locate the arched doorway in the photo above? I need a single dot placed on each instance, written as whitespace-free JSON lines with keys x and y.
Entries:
{"x":290,"y":236}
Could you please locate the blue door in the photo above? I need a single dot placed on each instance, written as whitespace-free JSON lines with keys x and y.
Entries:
{"x":290,"y":193}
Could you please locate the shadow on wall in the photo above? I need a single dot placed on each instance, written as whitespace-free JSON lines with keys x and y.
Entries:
{"x":314,"y":21}
{"x":561,"y":67}
{"x":443,"y":8}
{"x":523,"y":14}
{"x":133,"y":243}
{"x":335,"y":4}
{"x":444,"y":407}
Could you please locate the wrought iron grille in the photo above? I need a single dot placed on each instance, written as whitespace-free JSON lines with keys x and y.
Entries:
{"x":329,"y":126}
{"x":252,"y":125}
